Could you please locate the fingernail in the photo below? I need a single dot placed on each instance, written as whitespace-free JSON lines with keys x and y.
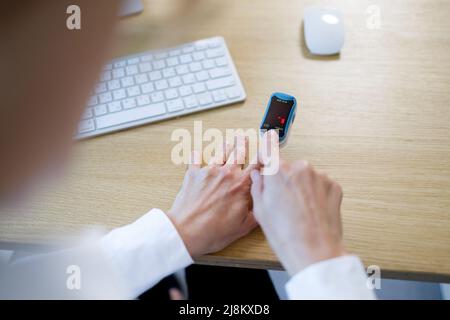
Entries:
{"x":273,"y":134}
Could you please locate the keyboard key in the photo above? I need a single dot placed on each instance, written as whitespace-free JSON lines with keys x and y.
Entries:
{"x":133,"y":91}
{"x":201,"y":45}
{"x":113,"y":85}
{"x":132,"y":70}
{"x":161,"y":84}
{"x":119,"y":94}
{"x":202,"y":75}
{"x":171,"y":94}
{"x":182,"y":69}
{"x":195,"y":66}
{"x":143,"y":100}
{"x":120,"y":64}
{"x":159,"y":64}
{"x":147,"y":87}
{"x":155,"y":75}
{"x":188,"y":78}
{"x":129,"y":103}
{"x":190,"y":102}
{"x":92,"y":101}
{"x":87,"y":113}
{"x":141,"y":78}
{"x":161,"y":55}
{"x":116,"y":118}
{"x":175,"y":82}
{"x":134,"y":60}
{"x":169,"y":73}
{"x":185,"y":58}
{"x":208,"y":64}
{"x":146,"y":57}
{"x":185,"y":91}
{"x":214,"y":53}
{"x":220,"y":83}
{"x":157,"y":96}
{"x":86,"y":126}
{"x":105,"y":97}
{"x":114,"y":106}
{"x":173,"y":61}
{"x":175,"y":105}
{"x":221,"y":62}
{"x":100,"y":109}
{"x":101,"y":87}
{"x":118,"y":73}
{"x":127,"y":81}
{"x":233,"y":92}
{"x":204,"y":98}
{"x":219,"y":72}
{"x":199,"y":87}
{"x":188,"y":49}
{"x":145,"y":67}
{"x":175,"y":52}
{"x":198,"y":55}
{"x":214,"y":43}
{"x":219,"y":95}
{"x":105,"y":76}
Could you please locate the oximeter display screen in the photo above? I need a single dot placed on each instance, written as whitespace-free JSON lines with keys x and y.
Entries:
{"x":277,"y":115}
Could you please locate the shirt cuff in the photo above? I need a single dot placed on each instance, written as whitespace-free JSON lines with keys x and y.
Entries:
{"x":145,"y":251}
{"x":338,"y":278}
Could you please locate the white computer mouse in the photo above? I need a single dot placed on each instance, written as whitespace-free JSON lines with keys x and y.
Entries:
{"x":323,"y":30}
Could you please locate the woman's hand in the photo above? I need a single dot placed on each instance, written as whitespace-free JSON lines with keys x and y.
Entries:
{"x":213,"y":207}
{"x":299,"y":212}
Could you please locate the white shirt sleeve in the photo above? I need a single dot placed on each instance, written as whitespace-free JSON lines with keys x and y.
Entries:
{"x":338,"y":278}
{"x":120,"y":265}
{"x":145,"y":251}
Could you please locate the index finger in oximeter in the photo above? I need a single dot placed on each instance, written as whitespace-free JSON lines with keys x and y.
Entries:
{"x":279,"y":115}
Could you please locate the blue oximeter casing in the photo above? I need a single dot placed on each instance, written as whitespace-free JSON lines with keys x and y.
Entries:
{"x":279,"y":115}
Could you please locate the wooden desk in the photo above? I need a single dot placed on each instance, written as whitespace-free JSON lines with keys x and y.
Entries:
{"x":377,"y":119}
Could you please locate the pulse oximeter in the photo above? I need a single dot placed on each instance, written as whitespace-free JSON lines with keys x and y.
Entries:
{"x":279,"y":115}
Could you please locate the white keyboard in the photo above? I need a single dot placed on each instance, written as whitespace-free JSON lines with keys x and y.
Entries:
{"x":162,"y":84}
